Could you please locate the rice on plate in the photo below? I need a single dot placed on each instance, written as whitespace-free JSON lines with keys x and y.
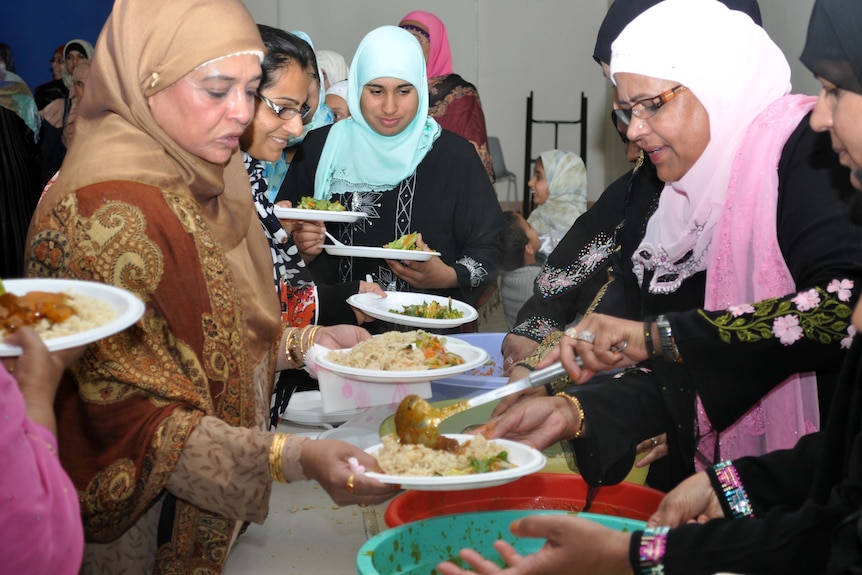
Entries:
{"x":84,"y":313}
{"x":398,"y":351}
{"x":477,"y":455}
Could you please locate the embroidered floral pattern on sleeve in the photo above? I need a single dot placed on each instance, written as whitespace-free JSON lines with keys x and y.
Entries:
{"x":552,"y":281}
{"x":816,"y":314}
{"x":537,"y":328}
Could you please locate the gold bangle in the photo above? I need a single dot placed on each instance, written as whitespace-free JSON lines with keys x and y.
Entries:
{"x":276,"y":451}
{"x":580,"y":409}
{"x":290,"y":348}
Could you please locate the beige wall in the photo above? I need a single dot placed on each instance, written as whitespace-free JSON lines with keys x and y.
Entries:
{"x":510,"y":47}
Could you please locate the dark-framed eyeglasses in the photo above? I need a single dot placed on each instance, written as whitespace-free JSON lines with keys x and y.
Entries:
{"x":284,"y":112}
{"x":647,"y":108}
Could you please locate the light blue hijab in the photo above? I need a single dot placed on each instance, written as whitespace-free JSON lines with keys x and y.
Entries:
{"x":355,"y":158}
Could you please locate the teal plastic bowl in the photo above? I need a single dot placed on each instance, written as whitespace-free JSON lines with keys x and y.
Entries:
{"x":419,"y":546}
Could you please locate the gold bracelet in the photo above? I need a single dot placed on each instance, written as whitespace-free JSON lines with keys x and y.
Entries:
{"x":307,"y":340}
{"x":275,"y":456}
{"x":290,"y":348}
{"x":580,"y":409}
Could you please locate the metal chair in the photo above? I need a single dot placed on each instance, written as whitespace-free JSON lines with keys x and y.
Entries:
{"x":500,"y":172}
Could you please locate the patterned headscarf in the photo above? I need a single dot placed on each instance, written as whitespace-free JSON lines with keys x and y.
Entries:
{"x":439,"y":55}
{"x":139,"y":55}
{"x":734,"y":85}
{"x":355,"y":158}
{"x":567,"y":183}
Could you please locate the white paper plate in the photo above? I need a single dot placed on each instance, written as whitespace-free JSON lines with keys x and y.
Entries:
{"x":379,"y":253}
{"x":527,"y":459}
{"x":473,"y":358}
{"x":378,"y":307}
{"x":317,"y":215}
{"x":127,"y":306}
{"x":306,"y":407}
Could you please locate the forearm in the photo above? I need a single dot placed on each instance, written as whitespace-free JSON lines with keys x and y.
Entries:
{"x":228,"y":470}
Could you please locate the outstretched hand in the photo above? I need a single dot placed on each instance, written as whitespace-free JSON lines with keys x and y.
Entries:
{"x":573,"y":546}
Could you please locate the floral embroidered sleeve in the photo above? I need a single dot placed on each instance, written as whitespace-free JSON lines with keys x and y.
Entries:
{"x":765,"y":342}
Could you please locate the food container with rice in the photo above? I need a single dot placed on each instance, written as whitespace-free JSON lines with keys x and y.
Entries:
{"x":385,"y":369}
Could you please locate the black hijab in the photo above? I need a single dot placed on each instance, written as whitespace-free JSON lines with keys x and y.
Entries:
{"x":833,"y":48}
{"x":622,"y":12}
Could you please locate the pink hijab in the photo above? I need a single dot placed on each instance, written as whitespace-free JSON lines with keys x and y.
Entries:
{"x":723,"y":209}
{"x":439,"y":56}
{"x":734,"y":83}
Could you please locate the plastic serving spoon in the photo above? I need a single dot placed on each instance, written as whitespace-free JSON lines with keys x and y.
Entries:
{"x":418,"y":422}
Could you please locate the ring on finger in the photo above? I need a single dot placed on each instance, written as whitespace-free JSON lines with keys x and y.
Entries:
{"x":586,"y":336}
{"x":620,"y":347}
{"x":509,"y":360}
{"x":654,"y":442}
{"x":571,"y":332}
{"x":350,"y":485}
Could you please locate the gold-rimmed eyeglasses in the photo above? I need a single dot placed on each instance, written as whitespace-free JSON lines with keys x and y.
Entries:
{"x":647,"y":108}
{"x":284,"y":112}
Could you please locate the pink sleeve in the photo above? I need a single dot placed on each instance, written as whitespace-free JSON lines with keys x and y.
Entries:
{"x":40,"y":521}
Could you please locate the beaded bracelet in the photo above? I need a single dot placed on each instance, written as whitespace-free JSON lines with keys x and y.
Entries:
{"x":276,"y":451}
{"x":734,"y":492}
{"x":652,"y":549}
{"x":578,"y":407}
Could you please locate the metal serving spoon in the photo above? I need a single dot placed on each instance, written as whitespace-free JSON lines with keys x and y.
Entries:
{"x":418,"y":422}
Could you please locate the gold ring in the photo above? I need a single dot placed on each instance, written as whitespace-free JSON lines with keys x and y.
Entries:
{"x":350,"y":485}
{"x":571,"y":332}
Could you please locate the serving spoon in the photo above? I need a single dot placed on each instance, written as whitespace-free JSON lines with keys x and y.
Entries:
{"x":418,"y":422}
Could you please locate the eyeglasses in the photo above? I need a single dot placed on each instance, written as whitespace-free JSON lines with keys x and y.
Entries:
{"x":283,"y":112}
{"x":647,"y":108}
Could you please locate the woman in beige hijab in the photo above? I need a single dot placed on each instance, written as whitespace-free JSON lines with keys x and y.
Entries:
{"x":163,"y":427}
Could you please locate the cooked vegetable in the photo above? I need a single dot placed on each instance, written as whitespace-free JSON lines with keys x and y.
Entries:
{"x":430,"y":310}
{"x":436,"y":355}
{"x":407,"y":242}
{"x":495,"y":463}
{"x":32,"y":307}
{"x":309,"y":203}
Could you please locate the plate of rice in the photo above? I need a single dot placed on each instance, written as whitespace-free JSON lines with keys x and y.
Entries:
{"x":479,"y":463}
{"x":403,"y":357}
{"x":88,"y":311}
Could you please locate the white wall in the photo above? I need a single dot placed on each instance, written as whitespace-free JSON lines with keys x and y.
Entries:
{"x":510,"y":47}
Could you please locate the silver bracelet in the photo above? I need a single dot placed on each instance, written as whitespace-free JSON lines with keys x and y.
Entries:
{"x":668,"y":345}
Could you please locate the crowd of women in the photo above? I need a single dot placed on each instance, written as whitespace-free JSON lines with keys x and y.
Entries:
{"x":717,"y":281}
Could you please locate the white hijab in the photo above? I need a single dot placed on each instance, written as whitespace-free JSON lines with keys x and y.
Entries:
{"x":735,"y":70}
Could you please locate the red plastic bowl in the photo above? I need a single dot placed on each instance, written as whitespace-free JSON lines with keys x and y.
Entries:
{"x":566,"y":492}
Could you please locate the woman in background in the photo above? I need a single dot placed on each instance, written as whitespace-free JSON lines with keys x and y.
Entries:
{"x":454,"y":102}
{"x":559,"y":188}
{"x":19,"y":163}
{"x":392,"y":161}
{"x":332,"y":67}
